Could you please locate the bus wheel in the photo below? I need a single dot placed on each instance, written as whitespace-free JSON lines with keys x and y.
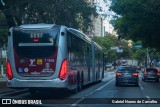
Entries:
{"x":79,"y":83}
{"x":74,"y":91}
{"x":82,"y":81}
{"x":96,"y":77}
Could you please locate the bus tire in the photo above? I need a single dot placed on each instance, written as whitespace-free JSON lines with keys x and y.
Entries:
{"x":79,"y":82}
{"x":96,"y":77}
{"x":74,"y":91}
{"x":82,"y":81}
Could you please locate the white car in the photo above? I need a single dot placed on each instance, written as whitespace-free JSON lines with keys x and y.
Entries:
{"x":109,"y":65}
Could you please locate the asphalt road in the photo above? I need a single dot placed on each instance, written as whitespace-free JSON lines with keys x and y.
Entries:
{"x":100,"y":94}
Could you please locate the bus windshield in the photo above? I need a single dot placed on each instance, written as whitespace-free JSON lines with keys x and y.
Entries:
{"x":35,"y":43}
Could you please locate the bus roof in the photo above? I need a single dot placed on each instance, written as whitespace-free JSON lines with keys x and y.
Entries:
{"x":79,"y":34}
{"x":37,"y":26}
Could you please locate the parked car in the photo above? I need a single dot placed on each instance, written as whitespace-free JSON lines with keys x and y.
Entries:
{"x":122,"y":66}
{"x":151,"y":74}
{"x":127,"y":75}
{"x":109,"y":65}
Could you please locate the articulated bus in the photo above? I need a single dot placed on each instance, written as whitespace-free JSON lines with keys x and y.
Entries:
{"x":52,"y":56}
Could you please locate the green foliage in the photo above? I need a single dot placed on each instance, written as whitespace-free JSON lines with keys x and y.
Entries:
{"x":72,"y":13}
{"x":138,"y":20}
{"x":106,"y":43}
{"x":127,"y":51}
{"x":140,"y":54}
{"x":3,"y":31}
{"x":3,"y":38}
{"x":109,"y":41}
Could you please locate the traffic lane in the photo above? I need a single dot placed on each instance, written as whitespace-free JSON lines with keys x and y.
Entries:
{"x":5,"y":90}
{"x":93,"y":87}
{"x":107,"y":90}
{"x":112,"y":91}
{"x":53,"y":97}
{"x":53,"y":94}
{"x":150,"y":89}
{"x":60,"y":97}
{"x":87,"y":91}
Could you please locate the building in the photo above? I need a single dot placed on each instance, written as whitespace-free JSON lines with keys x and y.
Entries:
{"x":98,"y":26}
{"x":97,"y":29}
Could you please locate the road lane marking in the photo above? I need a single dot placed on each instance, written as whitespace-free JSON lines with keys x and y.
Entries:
{"x":141,"y":86}
{"x":99,"y":88}
{"x":78,"y":101}
{"x":148,"y":97}
{"x":90,"y":93}
{"x":105,"y":85}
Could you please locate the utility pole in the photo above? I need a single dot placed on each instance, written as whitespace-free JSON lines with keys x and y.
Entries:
{"x":148,"y":58}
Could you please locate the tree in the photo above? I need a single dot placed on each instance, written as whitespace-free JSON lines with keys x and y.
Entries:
{"x":138,"y":20}
{"x":72,"y":13}
{"x":3,"y":30}
{"x":109,"y":41}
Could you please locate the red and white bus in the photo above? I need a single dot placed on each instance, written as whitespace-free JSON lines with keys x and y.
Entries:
{"x":52,"y":56}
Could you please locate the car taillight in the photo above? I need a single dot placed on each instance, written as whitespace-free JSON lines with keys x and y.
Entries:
{"x":158,"y":73}
{"x":64,"y":70}
{"x":9,"y":71}
{"x":135,"y":74}
{"x":118,"y":74}
{"x":145,"y":73}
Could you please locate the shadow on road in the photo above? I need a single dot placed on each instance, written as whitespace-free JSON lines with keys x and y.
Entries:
{"x":57,"y":93}
{"x":127,"y":85}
